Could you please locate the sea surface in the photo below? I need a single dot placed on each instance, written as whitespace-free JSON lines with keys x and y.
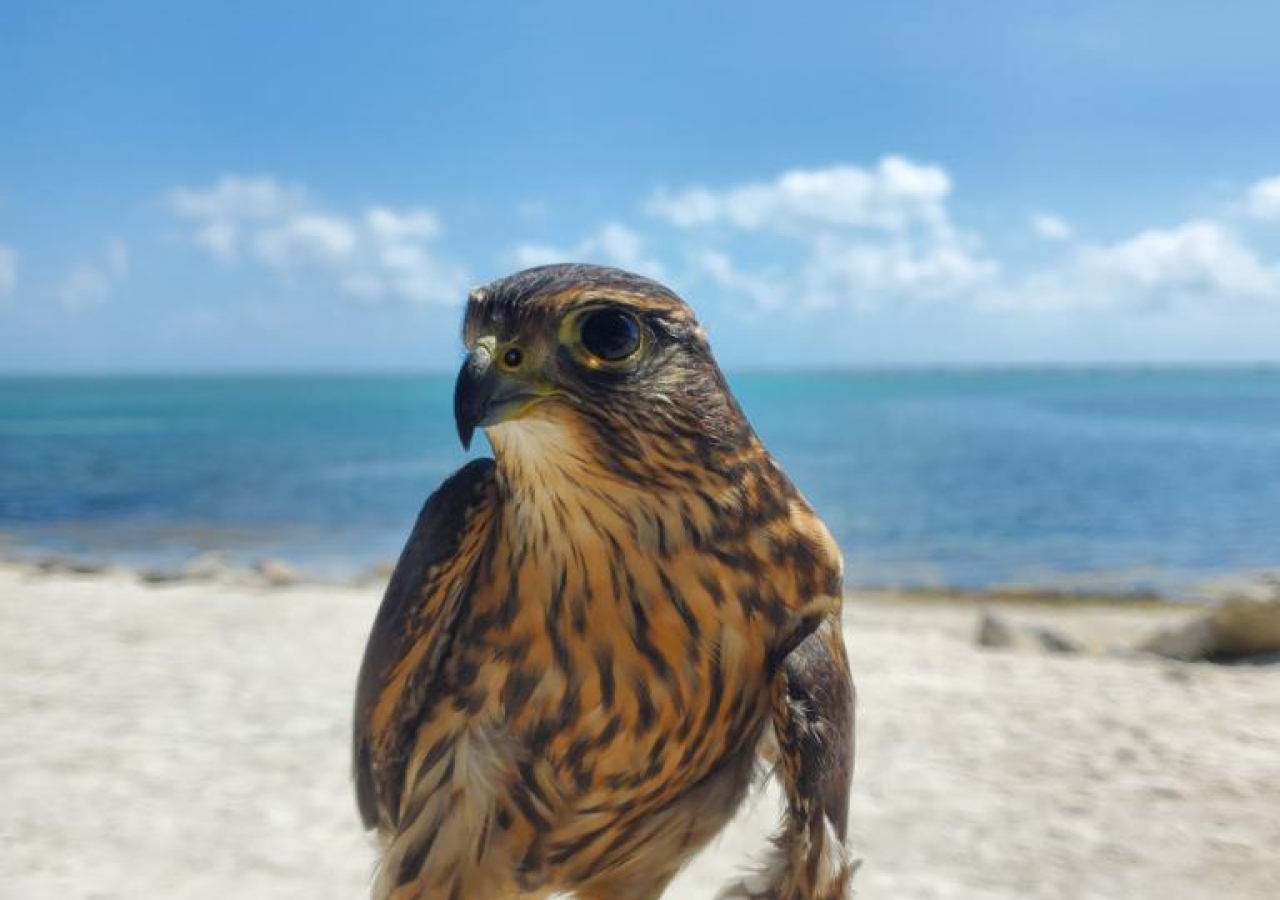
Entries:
{"x":1115,"y":479}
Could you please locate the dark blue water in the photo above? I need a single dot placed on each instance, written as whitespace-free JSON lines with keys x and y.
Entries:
{"x":1123,"y":478}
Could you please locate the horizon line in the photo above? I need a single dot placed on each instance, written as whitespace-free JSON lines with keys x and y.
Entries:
{"x":850,"y":368}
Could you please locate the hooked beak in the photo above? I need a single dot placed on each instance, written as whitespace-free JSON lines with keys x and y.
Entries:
{"x":485,"y":395}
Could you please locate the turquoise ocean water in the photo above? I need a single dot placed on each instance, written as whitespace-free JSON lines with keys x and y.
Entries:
{"x":1115,"y":478}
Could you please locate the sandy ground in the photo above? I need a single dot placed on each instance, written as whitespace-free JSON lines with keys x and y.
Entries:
{"x":190,"y":741}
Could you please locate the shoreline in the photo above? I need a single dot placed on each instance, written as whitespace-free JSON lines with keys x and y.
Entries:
{"x":271,"y":572}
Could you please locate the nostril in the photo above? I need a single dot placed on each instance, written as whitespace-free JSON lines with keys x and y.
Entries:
{"x":512,"y":358}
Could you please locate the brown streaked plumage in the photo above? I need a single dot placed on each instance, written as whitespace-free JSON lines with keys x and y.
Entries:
{"x":587,"y":640}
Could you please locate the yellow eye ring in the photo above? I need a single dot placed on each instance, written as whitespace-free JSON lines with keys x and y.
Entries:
{"x":604,"y":337}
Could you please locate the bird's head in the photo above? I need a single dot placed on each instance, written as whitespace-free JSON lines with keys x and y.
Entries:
{"x":595,"y":364}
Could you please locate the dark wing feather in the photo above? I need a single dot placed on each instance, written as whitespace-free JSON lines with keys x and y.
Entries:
{"x":813,"y":720}
{"x":407,"y":616}
{"x":815,"y":724}
{"x":813,"y":713}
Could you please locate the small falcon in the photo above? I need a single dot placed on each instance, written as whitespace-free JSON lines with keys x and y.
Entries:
{"x":590,"y":639}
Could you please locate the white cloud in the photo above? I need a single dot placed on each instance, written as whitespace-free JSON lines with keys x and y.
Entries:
{"x":613,"y":245}
{"x":1263,"y":200}
{"x":220,"y":211}
{"x":219,"y":238}
{"x":840,"y":236}
{"x":1196,"y":261}
{"x":1051,"y":228}
{"x":837,"y":272}
{"x":1202,"y":263}
{"x":893,"y":196}
{"x":854,"y":237}
{"x":237,"y":197}
{"x":764,"y":290}
{"x":91,"y":283}
{"x":380,"y":253}
{"x":863,"y":274}
{"x":409,"y":272}
{"x":863,"y":238}
{"x":391,"y":225}
{"x":622,"y":247}
{"x":306,"y":240}
{"x":8,"y":271}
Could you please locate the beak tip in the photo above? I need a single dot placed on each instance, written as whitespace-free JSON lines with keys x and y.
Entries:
{"x":466,"y":428}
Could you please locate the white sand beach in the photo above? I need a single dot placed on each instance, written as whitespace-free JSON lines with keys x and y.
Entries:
{"x":190,"y":741}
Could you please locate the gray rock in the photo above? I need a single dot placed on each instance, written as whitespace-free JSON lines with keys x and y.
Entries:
{"x":276,"y":572}
{"x":1239,"y":629}
{"x":160,"y":576}
{"x":69,"y":565}
{"x":1187,"y":641}
{"x":212,"y":566}
{"x":1054,"y":641}
{"x":1247,"y":627}
{"x":993,"y":631}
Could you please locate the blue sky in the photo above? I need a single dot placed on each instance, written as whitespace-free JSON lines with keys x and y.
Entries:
{"x":303,"y":186}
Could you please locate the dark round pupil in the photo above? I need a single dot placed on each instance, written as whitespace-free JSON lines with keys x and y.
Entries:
{"x":512,"y":357}
{"x":610,"y":335}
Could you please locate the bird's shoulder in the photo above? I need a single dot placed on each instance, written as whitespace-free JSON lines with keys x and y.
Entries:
{"x":820,"y":547}
{"x":799,"y":540}
{"x":411,"y":631}
{"x":797,"y":550}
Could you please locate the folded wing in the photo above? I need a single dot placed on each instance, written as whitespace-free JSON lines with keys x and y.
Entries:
{"x":412,"y":633}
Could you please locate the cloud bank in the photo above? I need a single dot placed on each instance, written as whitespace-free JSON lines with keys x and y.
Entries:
{"x":843,"y":236}
{"x":892,"y":197}
{"x":381,"y":253}
{"x":886,"y":235}
{"x":850,"y":236}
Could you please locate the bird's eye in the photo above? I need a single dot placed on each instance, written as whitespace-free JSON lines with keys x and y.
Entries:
{"x":610,"y":334}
